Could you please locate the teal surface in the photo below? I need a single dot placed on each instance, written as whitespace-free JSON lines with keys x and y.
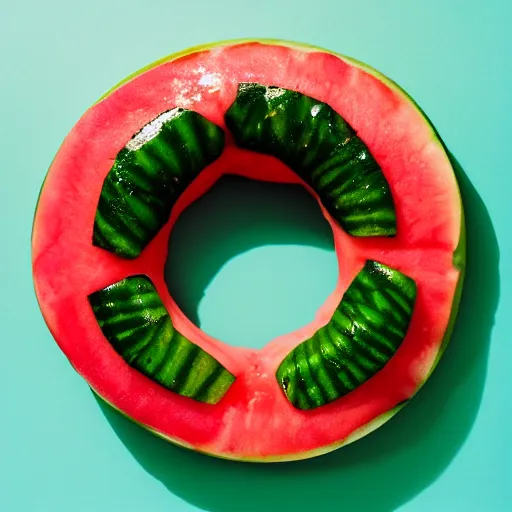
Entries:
{"x":260,"y":270}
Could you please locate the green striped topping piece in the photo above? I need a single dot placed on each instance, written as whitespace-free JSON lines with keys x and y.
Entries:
{"x":322,"y":148}
{"x":136,"y":323}
{"x":364,"y":333}
{"x":148,"y":176}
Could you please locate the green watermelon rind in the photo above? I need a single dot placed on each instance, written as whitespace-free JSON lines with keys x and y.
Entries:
{"x":459,"y":255}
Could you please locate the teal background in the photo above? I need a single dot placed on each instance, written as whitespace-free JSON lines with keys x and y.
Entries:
{"x":266,"y":267}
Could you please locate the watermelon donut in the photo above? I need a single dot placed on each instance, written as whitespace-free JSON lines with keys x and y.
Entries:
{"x":270,"y":111}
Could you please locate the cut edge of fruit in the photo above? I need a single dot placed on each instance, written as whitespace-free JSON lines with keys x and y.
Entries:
{"x":459,"y":262}
{"x":357,"y":434}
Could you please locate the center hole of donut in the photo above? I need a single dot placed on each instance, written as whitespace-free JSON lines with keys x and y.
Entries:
{"x":251,"y":261}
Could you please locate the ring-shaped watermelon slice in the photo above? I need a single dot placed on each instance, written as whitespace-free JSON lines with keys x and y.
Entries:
{"x":271,"y":111}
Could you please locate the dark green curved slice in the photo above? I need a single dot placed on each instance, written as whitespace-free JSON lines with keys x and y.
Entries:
{"x":148,"y":176}
{"x":365,"y":331}
{"x":322,"y":148}
{"x":136,"y":323}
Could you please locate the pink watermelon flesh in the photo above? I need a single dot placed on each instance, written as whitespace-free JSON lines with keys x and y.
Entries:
{"x":254,"y":420}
